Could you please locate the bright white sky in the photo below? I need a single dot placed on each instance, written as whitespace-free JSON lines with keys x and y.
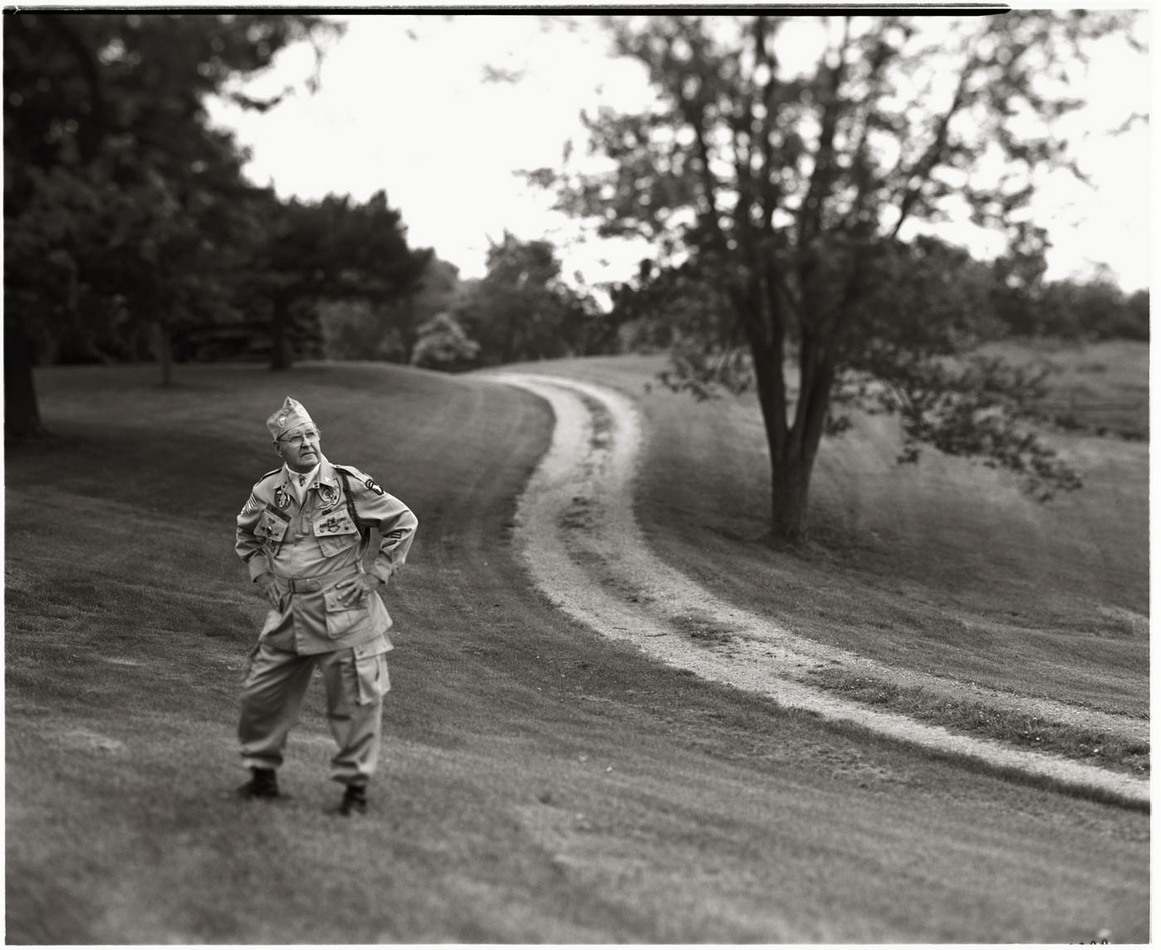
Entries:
{"x":403,"y":106}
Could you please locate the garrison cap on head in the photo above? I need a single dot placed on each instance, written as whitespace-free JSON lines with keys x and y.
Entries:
{"x":290,"y":416}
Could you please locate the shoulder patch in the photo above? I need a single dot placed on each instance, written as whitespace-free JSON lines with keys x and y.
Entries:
{"x":362,"y":478}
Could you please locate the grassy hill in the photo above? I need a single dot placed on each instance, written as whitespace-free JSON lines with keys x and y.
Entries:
{"x":540,"y":784}
{"x":945,"y":566}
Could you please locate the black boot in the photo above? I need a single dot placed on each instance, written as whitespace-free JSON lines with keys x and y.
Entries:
{"x":354,"y":801}
{"x":263,"y":784}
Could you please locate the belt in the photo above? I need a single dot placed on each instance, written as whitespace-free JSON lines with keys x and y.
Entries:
{"x":318,"y":582}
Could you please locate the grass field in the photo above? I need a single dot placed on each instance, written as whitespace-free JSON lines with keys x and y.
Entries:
{"x":541,"y":785}
{"x":1101,"y":387}
{"x":944,"y":566}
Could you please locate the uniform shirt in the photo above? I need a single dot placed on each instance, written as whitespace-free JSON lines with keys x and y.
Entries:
{"x":326,"y":537}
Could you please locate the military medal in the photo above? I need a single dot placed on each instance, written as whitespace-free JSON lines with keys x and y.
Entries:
{"x":281,"y":499}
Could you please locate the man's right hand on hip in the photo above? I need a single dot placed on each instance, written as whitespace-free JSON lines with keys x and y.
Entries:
{"x":270,"y":588}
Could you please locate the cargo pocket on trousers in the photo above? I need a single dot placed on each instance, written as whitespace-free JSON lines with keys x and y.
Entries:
{"x":371,"y":672}
{"x":343,"y":617}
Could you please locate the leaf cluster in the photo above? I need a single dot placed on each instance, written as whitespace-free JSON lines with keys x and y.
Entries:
{"x":126,"y":208}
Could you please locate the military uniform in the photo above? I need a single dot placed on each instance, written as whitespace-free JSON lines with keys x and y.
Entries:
{"x":311,"y":536}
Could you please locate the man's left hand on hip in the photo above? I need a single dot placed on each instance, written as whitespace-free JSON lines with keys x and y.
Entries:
{"x":353,"y":588}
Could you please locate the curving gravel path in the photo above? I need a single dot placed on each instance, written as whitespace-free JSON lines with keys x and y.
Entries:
{"x":582,"y":545}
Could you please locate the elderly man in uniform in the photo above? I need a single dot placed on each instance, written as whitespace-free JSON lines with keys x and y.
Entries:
{"x":303,"y":534}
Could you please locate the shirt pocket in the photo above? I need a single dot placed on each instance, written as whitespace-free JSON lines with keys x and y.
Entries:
{"x":371,"y":676}
{"x":342,"y":617}
{"x":271,"y":526}
{"x":335,"y":532}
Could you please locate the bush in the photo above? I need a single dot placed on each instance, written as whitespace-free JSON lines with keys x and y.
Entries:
{"x":442,"y":344}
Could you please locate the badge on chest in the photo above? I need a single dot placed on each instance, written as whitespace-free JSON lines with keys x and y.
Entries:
{"x":336,"y":522}
{"x":335,"y":531}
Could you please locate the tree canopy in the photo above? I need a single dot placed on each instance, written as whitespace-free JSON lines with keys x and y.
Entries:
{"x":334,"y":249}
{"x":130,"y":229}
{"x":523,"y":310}
{"x":784,"y":171}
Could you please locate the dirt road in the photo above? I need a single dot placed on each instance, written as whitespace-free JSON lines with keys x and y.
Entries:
{"x":581,"y":543}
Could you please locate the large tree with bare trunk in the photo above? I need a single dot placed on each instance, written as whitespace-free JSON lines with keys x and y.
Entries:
{"x":781,"y":172}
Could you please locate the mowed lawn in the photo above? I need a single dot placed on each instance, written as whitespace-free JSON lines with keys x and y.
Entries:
{"x":540,"y":784}
{"x":945,"y":566}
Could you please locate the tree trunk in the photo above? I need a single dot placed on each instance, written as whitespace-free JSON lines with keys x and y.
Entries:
{"x":279,"y":327}
{"x":407,"y":334}
{"x":793,"y":449}
{"x":21,"y":411}
{"x":163,"y":351}
{"x":789,"y":496}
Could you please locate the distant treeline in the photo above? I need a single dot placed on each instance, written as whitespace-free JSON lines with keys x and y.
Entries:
{"x":1076,"y":310}
{"x":132,"y":234}
{"x":522,"y":310}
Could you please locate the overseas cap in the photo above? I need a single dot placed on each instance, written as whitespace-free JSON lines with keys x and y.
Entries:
{"x":290,"y":416}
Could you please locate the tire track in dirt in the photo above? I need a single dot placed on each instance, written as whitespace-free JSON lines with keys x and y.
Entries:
{"x":581,"y":543}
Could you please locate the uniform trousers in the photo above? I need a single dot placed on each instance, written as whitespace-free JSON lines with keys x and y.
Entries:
{"x":272,"y":696}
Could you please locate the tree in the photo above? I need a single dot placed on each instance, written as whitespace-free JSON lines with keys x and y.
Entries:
{"x":1095,"y":310}
{"x":783,"y":169}
{"x":1134,"y":323}
{"x":428,"y":294}
{"x":435,"y":295}
{"x":120,"y":200}
{"x":334,"y":249}
{"x":354,"y":330}
{"x":522,"y":309}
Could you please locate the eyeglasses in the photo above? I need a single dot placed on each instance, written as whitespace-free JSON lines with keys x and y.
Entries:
{"x":310,"y":435}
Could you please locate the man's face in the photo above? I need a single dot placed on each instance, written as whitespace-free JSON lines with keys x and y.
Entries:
{"x":300,"y":448}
